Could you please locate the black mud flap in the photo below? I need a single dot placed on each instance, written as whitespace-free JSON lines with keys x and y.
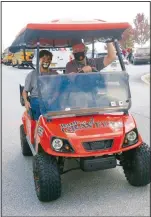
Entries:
{"x":98,"y":163}
{"x":30,"y":112}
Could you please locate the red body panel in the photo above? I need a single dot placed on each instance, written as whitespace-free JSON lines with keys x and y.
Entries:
{"x":76,"y":26}
{"x":91,"y":130}
{"x":29,"y":127}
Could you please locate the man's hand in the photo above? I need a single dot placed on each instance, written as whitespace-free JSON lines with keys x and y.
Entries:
{"x":87,"y":69}
{"x":27,"y":105}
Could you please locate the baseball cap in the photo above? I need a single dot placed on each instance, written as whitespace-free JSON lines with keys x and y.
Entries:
{"x":78,"y":48}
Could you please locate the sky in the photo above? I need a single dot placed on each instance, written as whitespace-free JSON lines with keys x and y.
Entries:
{"x":15,"y":15}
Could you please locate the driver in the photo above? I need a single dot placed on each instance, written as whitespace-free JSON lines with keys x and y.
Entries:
{"x":82,"y":64}
{"x":45,"y":58}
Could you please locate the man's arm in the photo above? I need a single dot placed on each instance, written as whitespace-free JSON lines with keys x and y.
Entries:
{"x":103,"y":62}
{"x":111,"y":56}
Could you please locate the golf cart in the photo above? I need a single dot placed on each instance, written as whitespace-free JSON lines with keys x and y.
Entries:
{"x":88,"y":121}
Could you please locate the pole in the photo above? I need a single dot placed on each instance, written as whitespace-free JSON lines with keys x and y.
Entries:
{"x":37,"y":63}
{"x":93,"y":49}
{"x":119,"y":55}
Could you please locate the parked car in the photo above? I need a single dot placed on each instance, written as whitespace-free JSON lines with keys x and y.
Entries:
{"x":140,"y":55}
{"x":115,"y":65}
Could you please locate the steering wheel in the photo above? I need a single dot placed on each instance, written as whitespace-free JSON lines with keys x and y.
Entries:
{"x":94,"y":69}
{"x":87,"y":82}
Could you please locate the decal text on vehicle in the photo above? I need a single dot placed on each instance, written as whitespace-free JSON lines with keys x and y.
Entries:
{"x":77,"y":125}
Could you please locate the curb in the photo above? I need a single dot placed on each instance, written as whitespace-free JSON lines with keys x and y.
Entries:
{"x":144,"y":78}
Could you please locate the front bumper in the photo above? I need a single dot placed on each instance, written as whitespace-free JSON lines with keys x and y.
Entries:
{"x":100,"y":163}
{"x":141,"y":60}
{"x":93,"y":153}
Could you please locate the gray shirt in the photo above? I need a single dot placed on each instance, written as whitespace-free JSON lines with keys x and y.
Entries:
{"x":75,"y":66}
{"x":31,"y":82}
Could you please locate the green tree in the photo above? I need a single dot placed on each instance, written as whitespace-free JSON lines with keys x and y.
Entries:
{"x":141,"y":29}
{"x":87,"y":48}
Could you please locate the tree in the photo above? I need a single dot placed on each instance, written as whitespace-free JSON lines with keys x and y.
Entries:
{"x":127,"y":39}
{"x":87,"y":48}
{"x":141,"y":29}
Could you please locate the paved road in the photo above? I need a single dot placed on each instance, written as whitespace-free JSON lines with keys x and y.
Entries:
{"x":103,"y":193}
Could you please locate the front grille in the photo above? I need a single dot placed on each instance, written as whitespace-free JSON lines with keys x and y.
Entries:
{"x":98,"y":145}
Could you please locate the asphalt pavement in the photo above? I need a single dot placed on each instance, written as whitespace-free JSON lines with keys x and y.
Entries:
{"x":101,"y":193}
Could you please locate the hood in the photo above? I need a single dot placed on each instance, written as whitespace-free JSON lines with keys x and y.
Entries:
{"x":87,"y":127}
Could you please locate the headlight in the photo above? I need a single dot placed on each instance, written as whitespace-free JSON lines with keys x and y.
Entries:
{"x":61,"y":145}
{"x":57,"y":144}
{"x":131,"y":136}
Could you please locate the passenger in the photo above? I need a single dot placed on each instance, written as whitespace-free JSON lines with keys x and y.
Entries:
{"x":82,"y":64}
{"x":45,"y":58}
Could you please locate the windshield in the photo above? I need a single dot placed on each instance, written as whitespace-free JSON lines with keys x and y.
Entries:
{"x":73,"y":93}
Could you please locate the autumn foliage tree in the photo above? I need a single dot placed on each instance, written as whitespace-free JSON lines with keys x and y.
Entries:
{"x":127,"y":39}
{"x":141,"y":29}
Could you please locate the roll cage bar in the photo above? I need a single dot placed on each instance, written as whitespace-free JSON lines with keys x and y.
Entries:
{"x":115,"y":41}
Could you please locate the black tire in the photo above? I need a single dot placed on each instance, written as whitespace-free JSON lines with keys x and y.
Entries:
{"x":13,"y":65}
{"x":18,"y":65}
{"x":46,"y":177}
{"x":26,"y":151}
{"x":136,"y":165}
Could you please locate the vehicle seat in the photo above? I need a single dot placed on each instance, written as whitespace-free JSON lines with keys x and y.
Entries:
{"x":21,"y":88}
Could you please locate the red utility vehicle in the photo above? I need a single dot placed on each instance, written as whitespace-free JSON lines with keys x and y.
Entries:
{"x":89,"y":121}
